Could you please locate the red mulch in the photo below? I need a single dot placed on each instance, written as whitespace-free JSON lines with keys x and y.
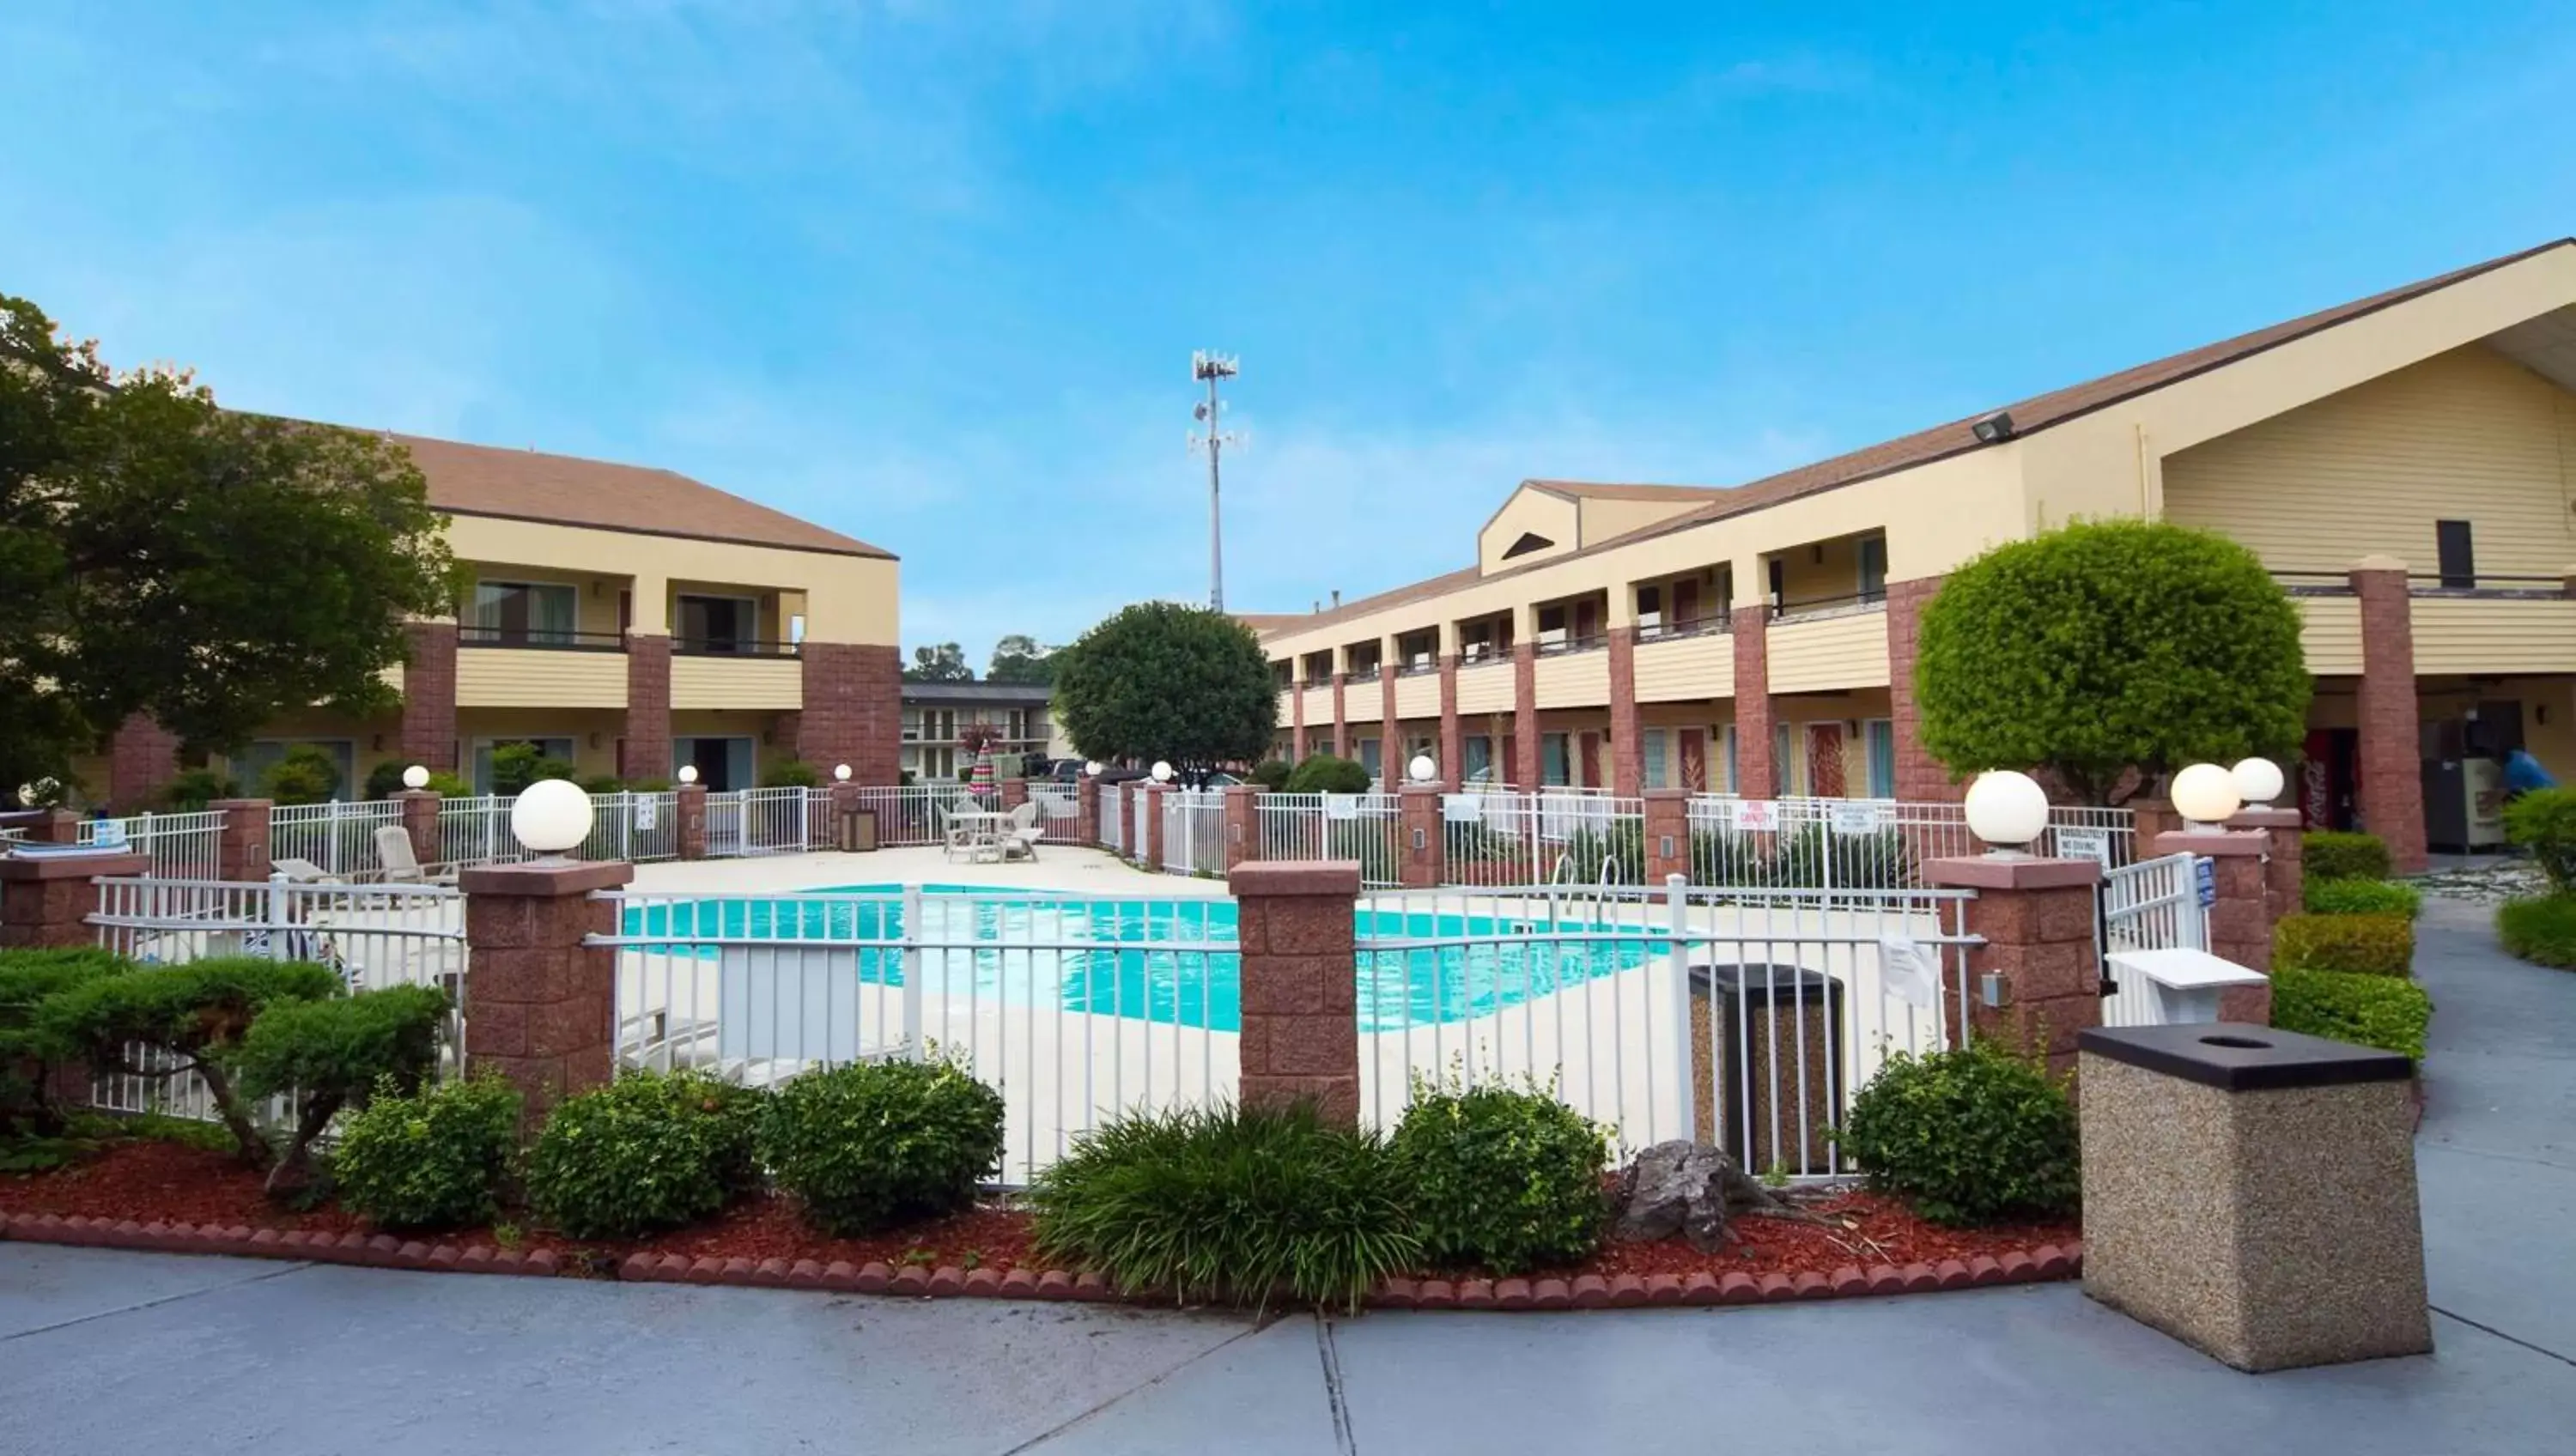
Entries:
{"x":150,"y":1180}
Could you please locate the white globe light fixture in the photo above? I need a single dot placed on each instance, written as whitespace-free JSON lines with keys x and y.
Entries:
{"x":415,"y":777}
{"x":688,"y":773}
{"x":2258,"y":781}
{"x":551,"y":816}
{"x":2007,"y":810}
{"x":1162,"y":772}
{"x":1091,"y":770}
{"x":840,"y":773}
{"x":2205,"y":794}
{"x":1422,"y":770}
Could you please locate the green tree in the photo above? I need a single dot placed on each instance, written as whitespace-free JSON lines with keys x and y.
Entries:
{"x":1160,"y":680}
{"x":214,"y":569}
{"x":943,"y":663}
{"x":2107,"y":649}
{"x":306,"y":775}
{"x":1019,"y":659}
{"x":517,"y":765}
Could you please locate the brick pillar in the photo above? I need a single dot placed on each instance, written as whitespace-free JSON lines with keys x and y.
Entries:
{"x":1667,"y":834}
{"x":1421,"y":854}
{"x":1525,"y":749}
{"x":1453,"y":733}
{"x":1299,"y":978}
{"x":1920,"y":778}
{"x":840,"y":801}
{"x":1341,"y":717}
{"x":2036,"y":916}
{"x":57,"y":826}
{"x":1151,"y":851}
{"x":142,"y":759}
{"x":1755,"y":775}
{"x":242,"y":853}
{"x":2150,"y":820}
{"x":1015,"y":792}
{"x":690,"y":812}
{"x":648,"y":707}
{"x":1086,"y":811}
{"x":2240,"y":920}
{"x":1627,"y":734}
{"x":853,"y":710}
{"x":2284,"y":862}
{"x":420,"y":821}
{"x":1242,"y":824}
{"x":429,"y":695}
{"x":2391,"y":791}
{"x":1390,"y":736}
{"x":47,"y":902}
{"x":545,"y":1005}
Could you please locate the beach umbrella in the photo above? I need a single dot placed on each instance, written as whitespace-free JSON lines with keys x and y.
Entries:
{"x":979,"y":780}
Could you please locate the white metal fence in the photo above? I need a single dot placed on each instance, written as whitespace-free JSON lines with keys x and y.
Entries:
{"x":181,"y":845}
{"x":761,"y":821}
{"x":910,"y":814}
{"x":1310,"y":827}
{"x":1113,"y":818}
{"x":1059,"y":805}
{"x":1194,"y":832}
{"x":2151,"y":905}
{"x":1504,"y":838}
{"x":337,"y":837}
{"x":1833,"y":845}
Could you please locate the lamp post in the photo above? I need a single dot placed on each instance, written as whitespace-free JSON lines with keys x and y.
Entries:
{"x":1422,"y":770}
{"x":551,"y":817}
{"x":2258,"y":781}
{"x":415,"y":777}
{"x":2206,"y":795}
{"x":2008,"y":811}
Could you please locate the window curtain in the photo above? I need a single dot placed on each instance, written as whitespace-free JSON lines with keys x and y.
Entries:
{"x":1880,"y":736}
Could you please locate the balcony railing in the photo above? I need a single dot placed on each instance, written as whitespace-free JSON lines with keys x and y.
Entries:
{"x":733,"y":647}
{"x":2315,"y":583}
{"x":2483,"y":584}
{"x":1704,"y":627}
{"x":1417,"y":669}
{"x":1571,"y":643}
{"x":1807,"y":607}
{"x":540,"y":640}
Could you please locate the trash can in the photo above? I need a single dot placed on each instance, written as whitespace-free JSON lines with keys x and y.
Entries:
{"x":856,"y":831}
{"x":2251,"y":1192}
{"x":1771,"y":1056}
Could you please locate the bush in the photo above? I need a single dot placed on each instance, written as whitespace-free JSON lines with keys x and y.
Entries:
{"x":2543,"y":821}
{"x":1229,"y":1203}
{"x":1504,"y":1179}
{"x":1325,"y":774}
{"x":649,"y":786}
{"x":27,"y":978}
{"x":1369,"y":841}
{"x":385,"y":779}
{"x":1620,"y":846}
{"x":599,"y":785}
{"x":2541,"y":929}
{"x":1973,"y":1135}
{"x":192,"y":789}
{"x":517,"y":765}
{"x":1273,"y":774}
{"x":649,"y":1151}
{"x":433,"y":1159}
{"x":321,"y":1056}
{"x":2332,"y":854}
{"x":2362,"y":897}
{"x":790,"y":773}
{"x":2364,"y":945}
{"x":869,"y":1144}
{"x":306,"y":775}
{"x":1815,"y":855}
{"x":2371,"y":1011}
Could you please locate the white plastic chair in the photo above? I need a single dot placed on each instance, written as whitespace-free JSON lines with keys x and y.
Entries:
{"x":401,"y":866}
{"x":1020,"y":840}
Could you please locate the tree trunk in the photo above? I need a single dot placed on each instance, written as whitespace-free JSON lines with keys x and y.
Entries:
{"x":255,"y":1149}
{"x":291,"y":1181}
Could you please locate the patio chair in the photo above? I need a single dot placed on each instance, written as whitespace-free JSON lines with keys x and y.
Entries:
{"x":1020,"y":840}
{"x":302,"y":872}
{"x":401,"y":866}
{"x":954,"y":837}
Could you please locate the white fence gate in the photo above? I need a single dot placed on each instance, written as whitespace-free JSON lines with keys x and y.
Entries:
{"x":2154,"y":904}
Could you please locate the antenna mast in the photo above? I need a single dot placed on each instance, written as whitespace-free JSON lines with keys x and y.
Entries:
{"x":1212,"y":368}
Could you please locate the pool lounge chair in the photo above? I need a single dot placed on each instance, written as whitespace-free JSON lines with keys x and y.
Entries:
{"x":1020,"y":840}
{"x":401,"y":866}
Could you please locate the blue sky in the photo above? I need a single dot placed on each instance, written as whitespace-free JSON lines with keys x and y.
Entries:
{"x":931,"y":273}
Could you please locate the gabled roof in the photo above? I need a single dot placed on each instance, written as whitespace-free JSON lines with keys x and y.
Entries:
{"x":1295,"y":622}
{"x":1604,"y":490}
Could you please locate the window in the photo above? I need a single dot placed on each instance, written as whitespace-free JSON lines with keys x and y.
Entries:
{"x":1480,"y":755}
{"x":1652,"y":765}
{"x":1552,"y":766}
{"x":1650,"y":610}
{"x":718,"y":624}
{"x":1873,"y":568}
{"x":1784,"y":759}
{"x":1530,"y":541}
{"x":2459,"y":560}
{"x":1551,"y":624}
{"x":524,"y":614}
{"x":724,"y":764}
{"x":1878,"y":735}
{"x":1732,"y":785}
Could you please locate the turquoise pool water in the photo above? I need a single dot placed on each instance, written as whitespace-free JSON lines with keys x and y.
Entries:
{"x":1166,"y":961}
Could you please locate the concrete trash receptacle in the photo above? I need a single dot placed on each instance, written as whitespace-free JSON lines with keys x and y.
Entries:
{"x":2251,"y":1192}
{"x":1767,"y":1068}
{"x":857,"y":831}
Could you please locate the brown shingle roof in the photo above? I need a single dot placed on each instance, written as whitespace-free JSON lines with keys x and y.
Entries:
{"x":486,"y":480}
{"x":1956,"y":437}
{"x":1605,"y":490}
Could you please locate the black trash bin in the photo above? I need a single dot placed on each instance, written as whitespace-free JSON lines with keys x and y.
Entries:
{"x":1767,"y":1064}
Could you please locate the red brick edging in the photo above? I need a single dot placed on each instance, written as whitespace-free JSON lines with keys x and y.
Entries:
{"x":1590,"y":1291}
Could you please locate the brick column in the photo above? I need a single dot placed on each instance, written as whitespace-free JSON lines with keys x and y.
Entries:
{"x":2391,"y":791}
{"x":47,"y":903}
{"x":689,"y":831}
{"x":1920,"y":777}
{"x":2240,"y":920}
{"x":1627,"y":733}
{"x":1151,"y":851}
{"x":1086,"y":811}
{"x":852,"y":710}
{"x":2284,"y":862}
{"x":1242,"y":824}
{"x":1755,"y":775}
{"x":1299,"y":978}
{"x":841,"y":800}
{"x":1525,"y":748}
{"x":58,"y":826}
{"x":1296,"y":721}
{"x":1341,"y":717}
{"x":1390,"y":737}
{"x":420,"y":821}
{"x":2036,"y":916}
{"x":242,"y":853}
{"x":1015,"y":792}
{"x":1667,"y":834}
{"x":648,"y":707}
{"x":1453,"y":733}
{"x":429,"y":695}
{"x":544,"y":1005}
{"x":2150,"y":820}
{"x":141,"y":761}
{"x":1421,"y":855}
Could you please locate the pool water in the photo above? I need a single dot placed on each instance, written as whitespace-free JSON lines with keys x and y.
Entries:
{"x":1164,"y":961}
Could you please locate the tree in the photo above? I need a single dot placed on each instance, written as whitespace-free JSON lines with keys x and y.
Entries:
{"x":306,"y":775}
{"x":517,"y":765}
{"x":1019,"y":659}
{"x":213,"y":569}
{"x":2108,"y":654}
{"x":943,"y":663}
{"x":1160,"y":680}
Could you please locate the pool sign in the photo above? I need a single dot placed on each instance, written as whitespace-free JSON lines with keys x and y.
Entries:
{"x":1756,"y":816}
{"x":2092,"y":844}
{"x":647,"y":813}
{"x":1858,"y":818}
{"x":2205,"y":870}
{"x":1908,"y":972}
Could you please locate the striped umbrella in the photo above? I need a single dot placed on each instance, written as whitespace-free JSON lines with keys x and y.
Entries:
{"x":979,"y":781}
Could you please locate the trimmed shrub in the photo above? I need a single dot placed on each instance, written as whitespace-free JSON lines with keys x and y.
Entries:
{"x":2543,"y":821}
{"x":1969,"y":1136}
{"x":2333,"y":854}
{"x":2362,"y":945}
{"x":1324,"y":774}
{"x":385,"y":779}
{"x":2371,"y":1011}
{"x":868,"y":1144}
{"x":1501,"y":1178}
{"x":2540,"y":929}
{"x":192,"y":789}
{"x":306,"y":775}
{"x":433,"y":1159}
{"x":517,"y":765}
{"x":1229,"y":1204}
{"x":1816,"y":855}
{"x":599,"y":784}
{"x":790,"y":773}
{"x":27,"y":978}
{"x":322,"y":1056}
{"x":2362,"y":897}
{"x":649,"y":1151}
{"x":1273,"y":774}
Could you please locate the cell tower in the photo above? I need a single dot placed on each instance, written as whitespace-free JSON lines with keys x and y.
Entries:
{"x":1213,"y":368}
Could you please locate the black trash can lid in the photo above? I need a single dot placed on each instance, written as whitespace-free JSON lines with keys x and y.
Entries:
{"x":2241,"y":1057}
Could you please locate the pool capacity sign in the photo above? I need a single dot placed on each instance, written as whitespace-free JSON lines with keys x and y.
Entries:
{"x":1843,"y":816}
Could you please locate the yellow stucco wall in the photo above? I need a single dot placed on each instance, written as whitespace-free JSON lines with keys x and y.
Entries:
{"x":1828,"y":652}
{"x":504,"y":677}
{"x":1573,"y":679}
{"x":1604,"y":518}
{"x":1550,"y":516}
{"x":1686,"y":667}
{"x":701,"y":681}
{"x":845,"y":598}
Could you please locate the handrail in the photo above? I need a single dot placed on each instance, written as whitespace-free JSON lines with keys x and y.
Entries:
{"x":539,"y":640}
{"x":1785,"y":611}
{"x":734,"y":647}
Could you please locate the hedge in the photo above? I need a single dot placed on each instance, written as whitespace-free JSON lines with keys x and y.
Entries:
{"x":2330,"y":854}
{"x":2367,"y":945}
{"x":2362,"y":897}
{"x":2371,"y":1011}
{"x":2541,"y":929}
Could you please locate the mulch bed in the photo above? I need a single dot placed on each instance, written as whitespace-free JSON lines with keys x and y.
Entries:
{"x":151,"y":1194}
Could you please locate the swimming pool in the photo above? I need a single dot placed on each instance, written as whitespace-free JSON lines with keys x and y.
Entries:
{"x":1170,"y":962}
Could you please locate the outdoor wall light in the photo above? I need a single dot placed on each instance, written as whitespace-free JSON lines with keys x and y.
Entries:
{"x":415,"y":777}
{"x":1162,"y":772}
{"x":551,"y":816}
{"x":840,"y":773}
{"x":2205,"y":794}
{"x":688,"y":773}
{"x":1091,"y":769}
{"x":1994,"y":428}
{"x":2258,"y":781}
{"x":1422,"y":770}
{"x":2007,"y":810}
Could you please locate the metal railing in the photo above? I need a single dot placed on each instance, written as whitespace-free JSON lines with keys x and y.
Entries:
{"x":630,"y":826}
{"x":1113,"y":818}
{"x":1075,"y":1010}
{"x":909,"y":814}
{"x":1194,"y":832}
{"x":182,"y":845}
{"x":734,"y":647}
{"x":2151,"y":905}
{"x":1310,"y":827}
{"x":476,"y":831}
{"x":1061,"y":804}
{"x":1834,"y":606}
{"x":539,"y":640}
{"x":1833,"y":845}
{"x":338,"y":838}
{"x":745,"y":822}
{"x":1521,"y":839}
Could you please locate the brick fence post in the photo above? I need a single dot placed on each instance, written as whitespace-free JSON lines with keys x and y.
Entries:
{"x":1086,"y":811}
{"x":544,"y":1006}
{"x":420,"y":821}
{"x":2285,"y":861}
{"x":1667,"y":831}
{"x":1151,"y":851}
{"x":58,"y":826}
{"x":46,"y":903}
{"x":2391,"y":787}
{"x":1242,"y":824}
{"x":1300,"y":984}
{"x":1756,"y":776}
{"x":2149,"y":820}
{"x":2240,"y":919}
{"x":2036,"y":916}
{"x":242,"y":852}
{"x":690,"y":831}
{"x":1015,"y":792}
{"x":1421,"y":856}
